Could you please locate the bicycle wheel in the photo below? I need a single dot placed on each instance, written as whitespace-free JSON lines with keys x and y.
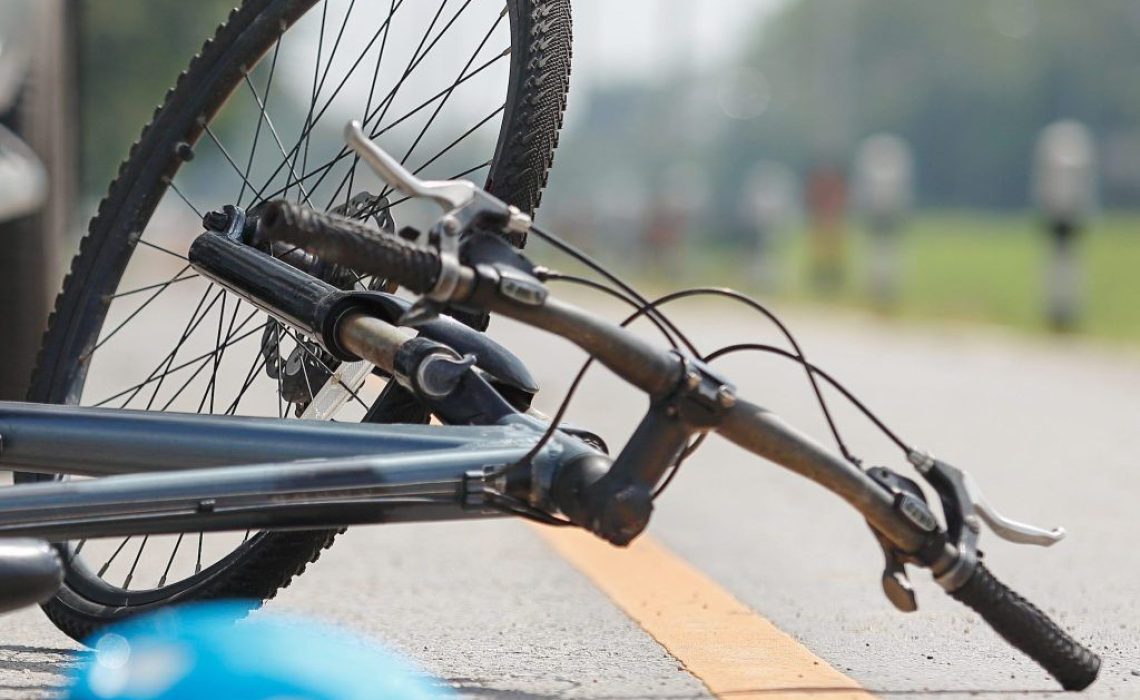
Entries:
{"x":467,"y":88}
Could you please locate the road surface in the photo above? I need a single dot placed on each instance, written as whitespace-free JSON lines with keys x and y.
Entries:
{"x":1051,"y":430}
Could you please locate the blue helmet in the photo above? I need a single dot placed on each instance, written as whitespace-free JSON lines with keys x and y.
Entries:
{"x":197,"y":651}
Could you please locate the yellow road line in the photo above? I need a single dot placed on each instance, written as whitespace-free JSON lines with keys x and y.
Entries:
{"x":735,"y":652}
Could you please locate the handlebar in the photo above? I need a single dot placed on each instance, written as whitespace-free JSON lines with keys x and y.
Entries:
{"x":620,"y":497}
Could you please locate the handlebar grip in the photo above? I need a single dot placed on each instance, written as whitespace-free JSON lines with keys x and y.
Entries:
{"x":352,"y":244}
{"x":1021,"y":624}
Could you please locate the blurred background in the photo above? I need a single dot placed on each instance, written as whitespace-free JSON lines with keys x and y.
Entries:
{"x":924,"y":160}
{"x":884,"y":154}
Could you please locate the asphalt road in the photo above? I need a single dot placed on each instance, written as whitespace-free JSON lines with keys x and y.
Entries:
{"x":1050,"y":431}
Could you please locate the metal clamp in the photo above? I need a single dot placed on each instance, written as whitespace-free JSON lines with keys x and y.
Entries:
{"x":479,"y":486}
{"x":702,"y":397}
{"x":447,"y":231}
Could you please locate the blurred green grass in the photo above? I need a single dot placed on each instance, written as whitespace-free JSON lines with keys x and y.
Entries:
{"x":975,"y":267}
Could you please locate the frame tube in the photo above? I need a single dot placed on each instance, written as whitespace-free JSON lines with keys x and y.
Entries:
{"x":54,"y":439}
{"x":431,"y":485}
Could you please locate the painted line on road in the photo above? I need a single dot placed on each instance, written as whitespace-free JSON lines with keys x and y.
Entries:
{"x":734,"y":651}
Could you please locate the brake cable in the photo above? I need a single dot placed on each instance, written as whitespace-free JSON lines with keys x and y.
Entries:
{"x":835,"y":384}
{"x":811,"y":370}
{"x":798,"y":355}
{"x":643,"y":305}
{"x":651,"y":310}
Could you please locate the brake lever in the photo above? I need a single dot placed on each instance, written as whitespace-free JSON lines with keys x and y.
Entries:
{"x":448,"y":194}
{"x":457,"y":198}
{"x":465,"y":207}
{"x":1009,"y":529}
{"x":965,"y":509}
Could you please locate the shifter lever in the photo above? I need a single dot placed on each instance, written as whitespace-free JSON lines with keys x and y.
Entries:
{"x":896,"y":584}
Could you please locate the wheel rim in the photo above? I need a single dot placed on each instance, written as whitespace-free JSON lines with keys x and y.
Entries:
{"x":205,"y":326}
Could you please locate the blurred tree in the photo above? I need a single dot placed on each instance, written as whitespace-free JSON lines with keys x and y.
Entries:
{"x":131,"y":53}
{"x":968,"y":85}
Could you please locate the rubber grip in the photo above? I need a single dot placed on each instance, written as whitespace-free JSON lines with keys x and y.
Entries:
{"x":350,"y":243}
{"x":1021,"y":624}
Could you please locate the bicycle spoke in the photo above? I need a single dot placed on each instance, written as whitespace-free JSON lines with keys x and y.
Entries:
{"x":194,"y":320}
{"x":442,"y":103}
{"x":416,"y":60}
{"x":312,"y":101}
{"x":191,"y":326}
{"x":177,"y":278}
{"x":310,"y":119}
{"x":280,"y":369}
{"x":447,"y":90}
{"x":131,"y":573}
{"x":107,"y":564}
{"x":211,"y":387}
{"x":255,"y":368}
{"x":368,"y":103}
{"x":189,"y":381}
{"x":336,"y":45}
{"x":184,"y":365}
{"x":198,"y":563}
{"x":128,"y":319}
{"x":323,"y":170}
{"x":352,"y":69}
{"x":276,"y":139}
{"x":261,"y":116}
{"x":459,"y":140}
{"x":439,"y":107}
{"x":445,"y":94}
{"x":227,"y":156}
{"x":164,"y":250}
{"x":171,"y":185}
{"x":170,"y":562}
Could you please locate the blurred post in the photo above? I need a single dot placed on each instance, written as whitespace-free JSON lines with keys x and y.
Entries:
{"x":826,"y":207}
{"x":884,"y":189}
{"x":830,"y":91}
{"x":661,"y":237}
{"x":1065,"y":192}
{"x":45,"y":118}
{"x":767,"y":207}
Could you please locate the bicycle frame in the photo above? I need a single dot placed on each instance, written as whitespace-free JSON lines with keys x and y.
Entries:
{"x":168,"y":473}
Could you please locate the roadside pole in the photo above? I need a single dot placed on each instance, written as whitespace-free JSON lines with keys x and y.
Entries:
{"x":884,"y":193}
{"x":768,"y":205}
{"x":1065,"y":193}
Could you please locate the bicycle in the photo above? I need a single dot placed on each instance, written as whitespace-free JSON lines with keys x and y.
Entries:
{"x":167,"y":474}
